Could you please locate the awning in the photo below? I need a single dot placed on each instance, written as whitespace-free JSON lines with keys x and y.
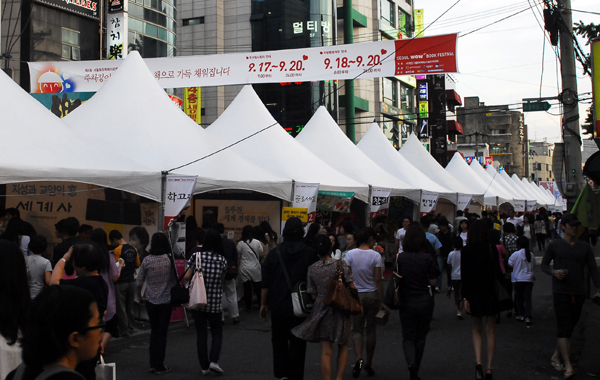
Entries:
{"x":453,"y":98}
{"x":454,"y":127}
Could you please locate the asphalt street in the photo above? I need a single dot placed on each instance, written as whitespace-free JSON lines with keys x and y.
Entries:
{"x":521,"y":353}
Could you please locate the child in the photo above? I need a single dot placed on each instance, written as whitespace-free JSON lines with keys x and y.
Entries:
{"x":523,"y":263}
{"x":454,"y":262}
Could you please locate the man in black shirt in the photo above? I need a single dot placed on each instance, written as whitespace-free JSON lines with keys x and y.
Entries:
{"x":125,"y":285}
{"x":70,"y":227}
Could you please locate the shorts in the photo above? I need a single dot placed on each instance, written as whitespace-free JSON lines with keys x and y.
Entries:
{"x":567,"y":309}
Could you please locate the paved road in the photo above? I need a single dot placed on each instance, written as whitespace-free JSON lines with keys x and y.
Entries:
{"x":521,"y":353}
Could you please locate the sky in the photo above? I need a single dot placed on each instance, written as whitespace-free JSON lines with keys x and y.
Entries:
{"x":502,"y":63}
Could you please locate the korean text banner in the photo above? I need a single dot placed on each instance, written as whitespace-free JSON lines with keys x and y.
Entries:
{"x":519,"y":206}
{"x":464,"y":200}
{"x":178,"y":196}
{"x":426,"y":55}
{"x":305,"y":196}
{"x":380,"y":202}
{"x":428,"y":201}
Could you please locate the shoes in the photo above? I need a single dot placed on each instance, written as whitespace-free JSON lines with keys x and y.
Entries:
{"x":478,"y":372}
{"x":413,"y":373}
{"x":558,"y":366}
{"x":236,"y":321}
{"x":152,"y":370}
{"x":357,"y":367}
{"x":570,"y":374}
{"x":215,"y":368}
{"x":162,"y":370}
{"x":205,"y":372}
{"x":489,"y":375}
{"x":437,"y":290}
{"x":369,"y":370}
{"x":528,"y":322}
{"x":519,"y":318}
{"x":459,"y":315}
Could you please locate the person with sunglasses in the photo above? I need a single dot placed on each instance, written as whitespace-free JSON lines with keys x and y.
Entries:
{"x":65,"y":329}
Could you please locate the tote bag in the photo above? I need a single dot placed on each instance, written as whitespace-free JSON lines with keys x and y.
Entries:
{"x":196,"y":288}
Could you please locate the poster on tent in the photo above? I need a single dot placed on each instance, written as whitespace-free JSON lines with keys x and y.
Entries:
{"x":519,"y":205}
{"x":464,"y":200}
{"x":425,"y":55}
{"x":62,"y":104}
{"x":236,"y":214}
{"x":335,"y":201}
{"x":380,"y":202}
{"x":305,"y":196}
{"x":428,"y":201}
{"x":178,"y":195}
{"x":530,"y":206}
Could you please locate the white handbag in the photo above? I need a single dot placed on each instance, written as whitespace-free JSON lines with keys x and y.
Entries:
{"x":196,"y":288}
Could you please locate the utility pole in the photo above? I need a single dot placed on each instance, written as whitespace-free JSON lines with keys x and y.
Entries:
{"x":570,"y":101}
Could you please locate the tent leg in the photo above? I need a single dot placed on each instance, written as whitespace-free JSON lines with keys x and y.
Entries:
{"x":163,"y":197}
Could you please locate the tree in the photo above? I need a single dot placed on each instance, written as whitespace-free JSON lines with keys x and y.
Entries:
{"x":589,"y":32}
{"x":588,"y":127}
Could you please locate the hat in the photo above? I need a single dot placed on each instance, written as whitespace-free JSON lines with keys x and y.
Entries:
{"x":570,"y":219}
{"x":293,"y":223}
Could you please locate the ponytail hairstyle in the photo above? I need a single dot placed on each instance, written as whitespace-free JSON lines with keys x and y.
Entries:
{"x":523,"y":243}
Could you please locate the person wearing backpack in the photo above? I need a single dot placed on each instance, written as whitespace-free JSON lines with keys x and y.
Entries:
{"x":249,"y":250}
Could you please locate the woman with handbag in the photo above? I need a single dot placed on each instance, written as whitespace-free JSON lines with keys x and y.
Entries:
{"x":419,"y":273}
{"x":326,"y":324}
{"x":484,"y":291}
{"x":156,"y":270}
{"x":249,"y":251}
{"x":213,"y":267}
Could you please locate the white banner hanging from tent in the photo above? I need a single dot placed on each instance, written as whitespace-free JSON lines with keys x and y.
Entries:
{"x":305,"y":196}
{"x":464,"y":200}
{"x":380,"y":202}
{"x":428,"y":201}
{"x":178,"y":196}
{"x":424,"y":55}
{"x":530,"y":206}
{"x":519,"y":206}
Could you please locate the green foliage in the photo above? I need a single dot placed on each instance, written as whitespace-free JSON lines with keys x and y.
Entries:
{"x":588,"y":127}
{"x":588,"y":31}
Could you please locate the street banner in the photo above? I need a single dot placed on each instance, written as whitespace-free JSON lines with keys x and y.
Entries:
{"x":305,"y":196}
{"x":178,"y":196}
{"x":116,"y":36}
{"x":464,"y":200}
{"x":380,"y":202}
{"x":519,"y":206}
{"x":192,"y":103}
{"x":428,"y":201}
{"x":426,"y":55}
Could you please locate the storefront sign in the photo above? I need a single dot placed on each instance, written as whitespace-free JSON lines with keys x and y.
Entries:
{"x":178,"y":196}
{"x":380,"y":202}
{"x":116,"y":36}
{"x":530,"y":206}
{"x":519,"y":206}
{"x":595,"y":54}
{"x":192,"y":101}
{"x":305,"y":196}
{"x":425,"y":55}
{"x":422,"y":91}
{"x":428,"y":201}
{"x":296,"y":212}
{"x":117,"y":6}
{"x":335,"y":201}
{"x":464,"y":200}
{"x":88,"y":8}
{"x":419,"y":22}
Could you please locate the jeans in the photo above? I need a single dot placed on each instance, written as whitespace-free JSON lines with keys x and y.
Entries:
{"x":216,"y":331}
{"x":289,"y":352}
{"x":124,"y":294}
{"x":248,"y":285}
{"x":159,"y":316}
{"x":541,"y":242}
{"x":365,"y":324}
{"x":444,"y":267}
{"x":415,"y":316}
{"x":523,"y":298}
{"x":229,"y":299}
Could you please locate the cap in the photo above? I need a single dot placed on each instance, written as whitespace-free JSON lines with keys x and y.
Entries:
{"x":570,"y":219}
{"x":293,"y":223}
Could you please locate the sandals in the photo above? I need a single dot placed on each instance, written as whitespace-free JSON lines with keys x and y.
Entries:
{"x":357,"y":367}
{"x":558,"y":366}
{"x":478,"y":372}
{"x":570,"y":374}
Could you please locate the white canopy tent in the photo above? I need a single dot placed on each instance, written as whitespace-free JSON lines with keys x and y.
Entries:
{"x":273,"y":149}
{"x":39,"y":147}
{"x":508,"y":185}
{"x":323,"y":137}
{"x":503,"y":193}
{"x":460,"y":171}
{"x":132,"y":116}
{"x":531,"y":199}
{"x":543,"y":200}
{"x":377,"y":147}
{"x":415,"y":153}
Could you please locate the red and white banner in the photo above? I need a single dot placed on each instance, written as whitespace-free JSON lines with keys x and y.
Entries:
{"x":428,"y":201}
{"x":464,"y":200}
{"x":425,"y":55}
{"x":178,"y":196}
{"x":380,"y":202}
{"x":305,"y":196}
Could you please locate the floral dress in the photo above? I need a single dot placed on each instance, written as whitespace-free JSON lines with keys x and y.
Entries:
{"x":324,"y":322}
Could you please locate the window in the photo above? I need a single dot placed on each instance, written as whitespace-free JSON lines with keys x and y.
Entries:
{"x":193,"y":21}
{"x":388,"y":11}
{"x":70,"y":45}
{"x":405,"y":97}
{"x":390,"y":91}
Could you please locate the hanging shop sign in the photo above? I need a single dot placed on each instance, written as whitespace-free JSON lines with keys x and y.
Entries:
{"x":192,"y":101}
{"x":335,"y":201}
{"x":428,"y":201}
{"x":116,"y":36}
{"x":464,"y":200}
{"x":88,"y":8}
{"x":519,"y":205}
{"x":178,"y":195}
{"x":305,"y":196}
{"x":426,"y":55}
{"x":380,"y":202}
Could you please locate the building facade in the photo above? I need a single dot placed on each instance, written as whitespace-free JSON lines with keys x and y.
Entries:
{"x":499,"y":129}
{"x":540,"y":161}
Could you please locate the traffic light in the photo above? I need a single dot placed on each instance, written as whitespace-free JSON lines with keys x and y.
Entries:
{"x":396,"y":136}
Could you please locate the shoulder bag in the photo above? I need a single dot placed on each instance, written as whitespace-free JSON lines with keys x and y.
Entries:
{"x":302,"y":302}
{"x":179,"y":293}
{"x":253,"y":251}
{"x":342,"y":295}
{"x":392,"y":297}
{"x":197,"y":290}
{"x":501,"y":293}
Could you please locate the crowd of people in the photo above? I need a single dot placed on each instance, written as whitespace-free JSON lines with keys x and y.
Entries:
{"x":488,"y":262}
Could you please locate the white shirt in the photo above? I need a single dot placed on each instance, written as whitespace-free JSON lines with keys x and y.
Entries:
{"x":522,"y":269}
{"x":400,"y":236}
{"x":363,"y":263}
{"x":517,"y":221}
{"x":454,"y":261}
{"x":463,"y":236}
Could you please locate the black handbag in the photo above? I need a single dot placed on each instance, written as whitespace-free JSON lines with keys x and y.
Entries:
{"x":180,"y":295}
{"x":501,"y":292}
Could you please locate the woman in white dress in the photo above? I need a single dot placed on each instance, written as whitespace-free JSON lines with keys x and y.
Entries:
{"x":249,"y":251}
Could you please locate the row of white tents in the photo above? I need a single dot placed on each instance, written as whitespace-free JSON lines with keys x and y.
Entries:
{"x":130,"y":133}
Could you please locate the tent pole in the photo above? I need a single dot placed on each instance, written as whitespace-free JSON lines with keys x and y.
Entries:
{"x":293,"y":190}
{"x":163,"y":197}
{"x":368,"y":213}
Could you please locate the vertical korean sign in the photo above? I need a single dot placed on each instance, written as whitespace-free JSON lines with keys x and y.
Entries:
{"x":380,"y":202}
{"x":595,"y":44}
{"x":192,"y":103}
{"x":419,"y":23}
{"x":117,"y":26}
{"x":428,"y":201}
{"x":464,"y":200}
{"x":178,"y":196}
{"x":305,"y":196}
